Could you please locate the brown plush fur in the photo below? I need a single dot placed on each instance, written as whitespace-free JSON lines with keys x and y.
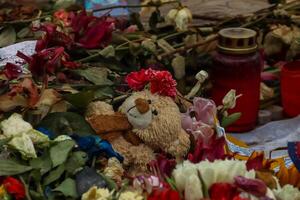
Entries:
{"x":164,"y":133}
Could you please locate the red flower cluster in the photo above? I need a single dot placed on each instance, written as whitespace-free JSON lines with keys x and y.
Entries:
{"x":228,"y":191}
{"x":86,"y":31}
{"x":161,"y":82}
{"x":14,"y":187}
{"x":92,"y":32}
{"x":164,"y":194}
{"x":162,"y":165}
{"x":211,"y":150}
{"x":47,"y":61}
{"x":52,"y":38}
{"x":12,"y":71}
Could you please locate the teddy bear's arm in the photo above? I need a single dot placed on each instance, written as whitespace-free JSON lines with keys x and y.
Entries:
{"x":109,"y":123}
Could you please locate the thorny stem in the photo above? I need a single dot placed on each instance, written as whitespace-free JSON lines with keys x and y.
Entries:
{"x":136,"y":6}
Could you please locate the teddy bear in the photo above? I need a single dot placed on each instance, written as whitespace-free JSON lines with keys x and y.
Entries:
{"x":145,"y":123}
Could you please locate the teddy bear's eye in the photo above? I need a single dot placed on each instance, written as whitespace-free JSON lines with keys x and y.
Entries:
{"x":154,"y":112}
{"x":149,"y":101}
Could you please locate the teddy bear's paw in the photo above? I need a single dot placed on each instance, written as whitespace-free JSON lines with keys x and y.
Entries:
{"x":181,"y":146}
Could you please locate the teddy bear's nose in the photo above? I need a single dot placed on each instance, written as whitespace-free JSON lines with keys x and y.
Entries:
{"x":142,"y":105}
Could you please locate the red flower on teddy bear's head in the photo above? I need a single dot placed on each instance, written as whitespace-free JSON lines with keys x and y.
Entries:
{"x":160,"y":82}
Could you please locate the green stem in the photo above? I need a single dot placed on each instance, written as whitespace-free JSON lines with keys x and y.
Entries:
{"x":26,"y":188}
{"x":135,"y":6}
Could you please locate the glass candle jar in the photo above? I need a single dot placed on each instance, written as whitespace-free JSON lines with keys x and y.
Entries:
{"x":237,"y":65}
{"x":290,"y":88}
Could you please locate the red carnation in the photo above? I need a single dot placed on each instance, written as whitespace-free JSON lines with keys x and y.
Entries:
{"x":161,"y":82}
{"x":164,"y":194}
{"x":138,"y":80}
{"x":224,"y":191}
{"x":14,"y":187}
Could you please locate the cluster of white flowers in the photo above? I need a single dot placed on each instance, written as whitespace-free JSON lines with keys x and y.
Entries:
{"x":187,"y":175}
{"x":23,"y":136}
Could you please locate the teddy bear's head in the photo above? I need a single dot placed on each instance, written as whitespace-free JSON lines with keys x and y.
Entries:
{"x":155,"y":118}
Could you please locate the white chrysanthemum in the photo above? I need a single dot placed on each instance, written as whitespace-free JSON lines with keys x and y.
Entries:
{"x":288,"y":192}
{"x":223,"y":171}
{"x":38,"y":137}
{"x":187,"y":174}
{"x":193,"y":188}
{"x":15,"y":125}
{"x":95,"y":193}
{"x":130,"y":195}
{"x":24,"y":145}
{"x":182,"y":171}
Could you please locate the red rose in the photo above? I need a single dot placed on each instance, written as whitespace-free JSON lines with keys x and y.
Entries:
{"x":14,"y":187}
{"x":164,"y":194}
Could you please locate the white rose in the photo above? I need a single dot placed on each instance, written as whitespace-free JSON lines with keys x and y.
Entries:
{"x":183,"y":18}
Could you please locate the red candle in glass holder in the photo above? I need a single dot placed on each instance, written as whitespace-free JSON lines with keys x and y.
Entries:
{"x":237,"y":65}
{"x":290,"y":88}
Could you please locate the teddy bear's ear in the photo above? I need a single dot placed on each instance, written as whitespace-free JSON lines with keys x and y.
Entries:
{"x":109,"y":123}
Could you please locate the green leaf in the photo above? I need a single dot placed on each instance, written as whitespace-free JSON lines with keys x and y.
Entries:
{"x":43,"y":163}
{"x":60,"y":123}
{"x":54,"y":175}
{"x":24,"y":32}
{"x":96,"y":75}
{"x":228,"y":120}
{"x":82,"y":99}
{"x":7,"y":36}
{"x":68,"y":188}
{"x":59,"y":153}
{"x":76,"y":161}
{"x":9,"y":168}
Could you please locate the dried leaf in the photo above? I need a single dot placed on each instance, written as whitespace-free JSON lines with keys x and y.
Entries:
{"x":7,"y":36}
